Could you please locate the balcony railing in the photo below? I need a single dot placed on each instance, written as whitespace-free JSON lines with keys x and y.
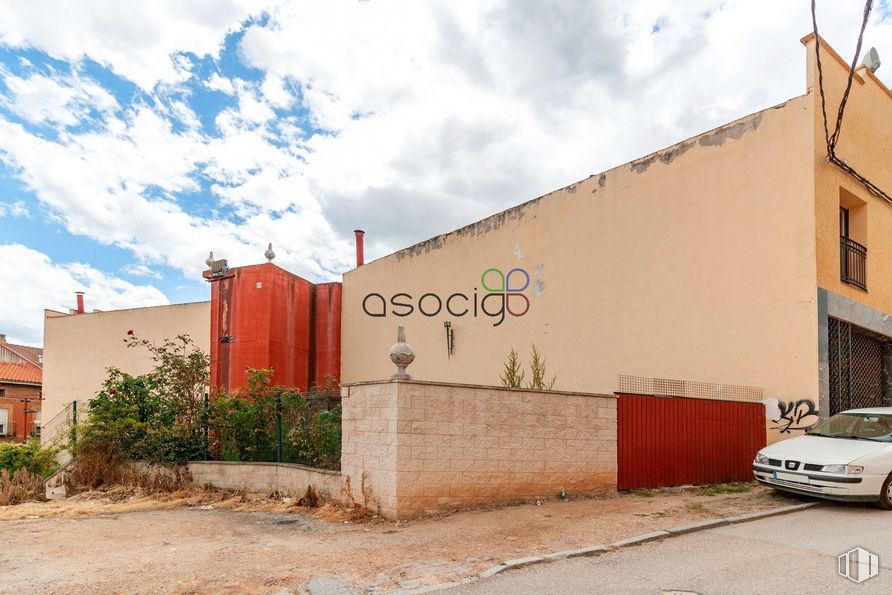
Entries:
{"x":853,"y":262}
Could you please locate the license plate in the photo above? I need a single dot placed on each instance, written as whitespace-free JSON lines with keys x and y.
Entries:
{"x":791,"y":477}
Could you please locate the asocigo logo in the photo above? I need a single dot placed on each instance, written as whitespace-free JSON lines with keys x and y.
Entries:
{"x":503,"y":294}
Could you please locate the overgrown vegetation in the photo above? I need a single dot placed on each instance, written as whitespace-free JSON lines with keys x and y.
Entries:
{"x":159,"y":416}
{"x":165,"y":417}
{"x":23,"y":467}
{"x":20,"y":486}
{"x":30,"y":456}
{"x":245,"y":425}
{"x":513,"y":374}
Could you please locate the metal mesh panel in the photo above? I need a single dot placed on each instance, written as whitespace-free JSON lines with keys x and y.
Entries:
{"x":867,"y":371}
{"x":856,"y":368}
{"x":663,"y":387}
{"x":840,"y":358}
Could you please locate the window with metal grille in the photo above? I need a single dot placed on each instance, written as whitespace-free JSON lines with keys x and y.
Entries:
{"x":852,"y":240}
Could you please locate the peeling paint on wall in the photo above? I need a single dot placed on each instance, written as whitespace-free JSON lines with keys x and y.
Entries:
{"x":735,"y":131}
{"x":714,"y":138}
{"x":481,"y":227}
{"x":667,"y":157}
{"x":538,"y":287}
{"x":517,"y":251}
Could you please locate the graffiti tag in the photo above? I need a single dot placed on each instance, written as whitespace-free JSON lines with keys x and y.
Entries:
{"x":795,"y":415}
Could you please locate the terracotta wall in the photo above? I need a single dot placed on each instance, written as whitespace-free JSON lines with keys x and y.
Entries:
{"x":265,"y":317}
{"x":409,"y":447}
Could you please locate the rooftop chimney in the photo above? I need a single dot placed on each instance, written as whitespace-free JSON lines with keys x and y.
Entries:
{"x":80,"y":301}
{"x":360,"y":252}
{"x":2,"y":338}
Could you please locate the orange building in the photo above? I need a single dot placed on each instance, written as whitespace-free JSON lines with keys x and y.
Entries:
{"x":21,"y":377}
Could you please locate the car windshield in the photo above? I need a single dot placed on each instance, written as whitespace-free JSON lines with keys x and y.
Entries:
{"x":856,"y":426}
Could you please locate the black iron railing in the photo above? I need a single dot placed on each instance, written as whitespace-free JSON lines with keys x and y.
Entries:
{"x":853,"y":262}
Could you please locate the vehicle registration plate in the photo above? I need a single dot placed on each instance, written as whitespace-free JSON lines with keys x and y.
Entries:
{"x":791,"y":477}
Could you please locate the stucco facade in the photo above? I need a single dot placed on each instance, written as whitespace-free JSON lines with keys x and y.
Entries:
{"x":78,"y":348}
{"x":702,"y":262}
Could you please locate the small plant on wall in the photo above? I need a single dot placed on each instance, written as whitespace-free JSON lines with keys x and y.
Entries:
{"x":538,"y":372}
{"x":513,"y":374}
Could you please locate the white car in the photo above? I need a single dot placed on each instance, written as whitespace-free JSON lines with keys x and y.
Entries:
{"x":848,"y":457}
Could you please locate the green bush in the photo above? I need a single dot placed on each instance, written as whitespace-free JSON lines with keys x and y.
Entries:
{"x":243,"y":425}
{"x":30,"y":456}
{"x":163,"y":417}
{"x":157,"y":417}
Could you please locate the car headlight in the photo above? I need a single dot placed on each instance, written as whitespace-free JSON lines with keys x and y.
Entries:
{"x":760,"y":458}
{"x":847,"y":469}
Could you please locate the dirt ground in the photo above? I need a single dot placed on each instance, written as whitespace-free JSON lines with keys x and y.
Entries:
{"x":183,"y":544}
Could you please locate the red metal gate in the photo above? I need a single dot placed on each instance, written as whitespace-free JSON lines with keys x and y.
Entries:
{"x":666,"y":441}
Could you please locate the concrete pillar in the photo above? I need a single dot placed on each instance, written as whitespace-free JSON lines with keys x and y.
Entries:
{"x":887,"y":374}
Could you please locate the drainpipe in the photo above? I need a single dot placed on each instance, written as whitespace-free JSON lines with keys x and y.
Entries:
{"x":80,"y":301}
{"x":360,"y":252}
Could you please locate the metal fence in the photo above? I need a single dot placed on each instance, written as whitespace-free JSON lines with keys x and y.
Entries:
{"x":853,"y":262}
{"x":287,"y":428}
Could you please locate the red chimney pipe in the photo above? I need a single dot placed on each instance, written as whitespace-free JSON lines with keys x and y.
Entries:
{"x":360,"y":249}
{"x":80,"y":301}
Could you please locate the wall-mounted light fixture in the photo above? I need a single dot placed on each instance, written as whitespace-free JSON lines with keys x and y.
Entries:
{"x":450,"y":338}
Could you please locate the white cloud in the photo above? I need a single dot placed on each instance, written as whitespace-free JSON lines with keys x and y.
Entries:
{"x":140,"y":41}
{"x":434,"y":113}
{"x":131,"y":171}
{"x":220,"y":83}
{"x":33,"y":282}
{"x":16,"y":210}
{"x":67,"y":100}
{"x":140,"y":270}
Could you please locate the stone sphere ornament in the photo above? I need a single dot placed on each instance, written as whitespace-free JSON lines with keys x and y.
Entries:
{"x":401,"y":354}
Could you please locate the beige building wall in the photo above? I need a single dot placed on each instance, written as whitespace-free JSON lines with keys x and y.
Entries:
{"x":78,"y":348}
{"x":865,"y":144}
{"x":694,"y":263}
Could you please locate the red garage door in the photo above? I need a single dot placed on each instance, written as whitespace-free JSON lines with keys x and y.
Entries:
{"x":666,"y":441}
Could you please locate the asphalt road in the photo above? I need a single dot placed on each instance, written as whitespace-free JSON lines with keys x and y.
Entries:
{"x":795,"y":553}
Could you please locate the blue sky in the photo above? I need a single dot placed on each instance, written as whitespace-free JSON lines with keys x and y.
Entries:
{"x":136,"y":137}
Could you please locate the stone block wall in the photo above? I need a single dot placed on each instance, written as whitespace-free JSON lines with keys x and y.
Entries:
{"x":411,"y":447}
{"x":369,"y":445}
{"x":267,"y":478}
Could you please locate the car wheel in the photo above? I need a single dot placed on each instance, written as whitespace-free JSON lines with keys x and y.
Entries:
{"x":886,"y":494}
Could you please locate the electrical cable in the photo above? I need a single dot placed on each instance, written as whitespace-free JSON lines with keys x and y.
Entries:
{"x":832,"y":139}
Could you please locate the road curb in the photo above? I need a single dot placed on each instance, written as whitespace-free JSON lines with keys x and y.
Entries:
{"x":638,"y":539}
{"x":595,"y":550}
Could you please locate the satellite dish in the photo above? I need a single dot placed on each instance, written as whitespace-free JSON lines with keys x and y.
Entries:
{"x":871,"y":60}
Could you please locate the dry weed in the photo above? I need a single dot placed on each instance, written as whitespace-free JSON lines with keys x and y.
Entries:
{"x":22,"y":486}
